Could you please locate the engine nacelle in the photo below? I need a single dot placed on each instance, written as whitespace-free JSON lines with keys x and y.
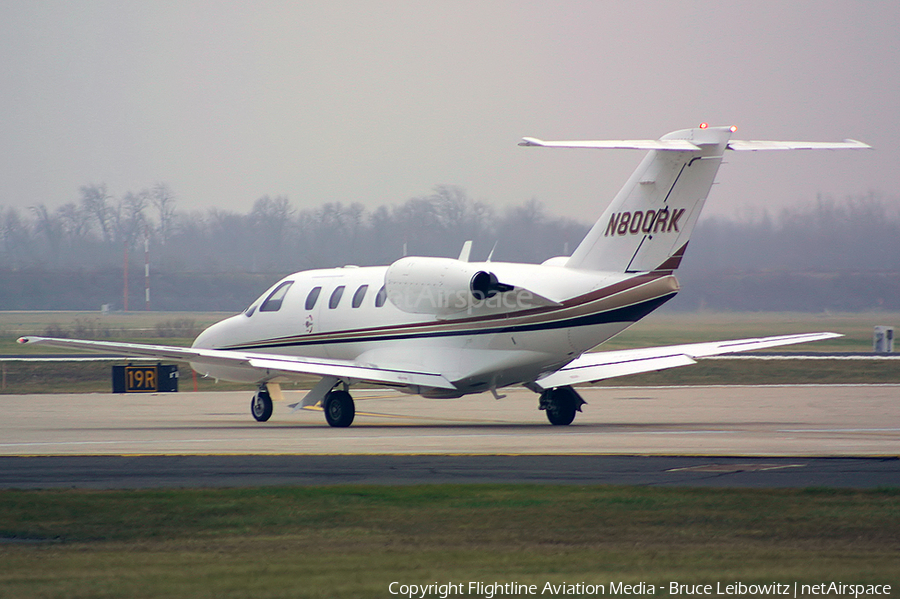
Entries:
{"x":422,"y":285}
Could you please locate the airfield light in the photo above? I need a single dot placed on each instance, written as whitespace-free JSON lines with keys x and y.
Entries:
{"x":733,"y":128}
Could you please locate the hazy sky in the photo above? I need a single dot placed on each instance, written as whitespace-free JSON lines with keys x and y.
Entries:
{"x":379,"y":101}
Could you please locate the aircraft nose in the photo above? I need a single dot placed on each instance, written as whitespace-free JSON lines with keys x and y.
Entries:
{"x":202,"y":340}
{"x":213,"y":337}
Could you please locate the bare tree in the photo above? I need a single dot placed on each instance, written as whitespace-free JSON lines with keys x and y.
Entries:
{"x":270,"y":221}
{"x":129,"y":222}
{"x":16,"y":238}
{"x":48,"y":224}
{"x":164,"y":201}
{"x":75,"y":222}
{"x":95,"y":200}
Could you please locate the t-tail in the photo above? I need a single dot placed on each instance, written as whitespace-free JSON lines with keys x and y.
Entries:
{"x":648,"y":224}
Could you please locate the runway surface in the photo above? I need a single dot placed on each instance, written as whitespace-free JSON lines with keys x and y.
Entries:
{"x":731,"y":436}
{"x":112,"y":472}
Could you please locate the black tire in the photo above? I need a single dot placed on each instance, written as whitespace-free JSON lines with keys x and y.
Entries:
{"x":339,"y":409}
{"x":261,"y":406}
{"x":562,"y":407}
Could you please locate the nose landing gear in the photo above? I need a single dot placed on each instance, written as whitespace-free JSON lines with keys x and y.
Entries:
{"x":261,"y":404}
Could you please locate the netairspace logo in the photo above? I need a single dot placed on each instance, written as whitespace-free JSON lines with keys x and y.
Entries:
{"x":491,"y":590}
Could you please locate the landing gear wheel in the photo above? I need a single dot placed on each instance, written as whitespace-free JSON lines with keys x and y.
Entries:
{"x":261,"y":405}
{"x":561,"y":404}
{"x":561,"y":411}
{"x":339,"y":409}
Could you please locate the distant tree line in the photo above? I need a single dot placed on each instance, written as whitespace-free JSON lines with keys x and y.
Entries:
{"x":828,"y":256}
{"x":274,"y":236}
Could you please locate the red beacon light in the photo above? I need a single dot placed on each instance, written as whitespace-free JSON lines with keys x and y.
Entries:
{"x":733,"y":128}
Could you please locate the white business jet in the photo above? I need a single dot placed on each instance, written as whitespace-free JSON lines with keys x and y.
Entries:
{"x":444,"y":328}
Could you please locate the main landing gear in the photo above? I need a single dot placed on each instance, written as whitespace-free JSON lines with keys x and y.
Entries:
{"x":561,"y":404}
{"x":339,"y":408}
{"x":337,"y":403}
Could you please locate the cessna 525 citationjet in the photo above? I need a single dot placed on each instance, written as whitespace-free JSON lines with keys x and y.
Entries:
{"x":444,"y":328}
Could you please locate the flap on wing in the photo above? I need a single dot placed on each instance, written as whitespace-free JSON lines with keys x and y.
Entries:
{"x":604,"y":365}
{"x":350,"y":370}
{"x":580,"y":371}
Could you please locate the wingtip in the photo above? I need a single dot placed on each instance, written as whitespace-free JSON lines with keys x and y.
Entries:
{"x":859,"y":144}
{"x":23,"y":340}
{"x":531,"y":141}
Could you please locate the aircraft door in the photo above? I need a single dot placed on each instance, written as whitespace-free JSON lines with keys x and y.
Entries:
{"x":311,"y":309}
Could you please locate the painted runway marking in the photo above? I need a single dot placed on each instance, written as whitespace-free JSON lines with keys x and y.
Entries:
{"x":342,"y":439}
{"x":731,"y":468}
{"x":362,"y":435}
{"x":840,"y":430}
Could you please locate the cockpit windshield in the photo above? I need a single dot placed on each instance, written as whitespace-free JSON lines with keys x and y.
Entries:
{"x":273,"y":302}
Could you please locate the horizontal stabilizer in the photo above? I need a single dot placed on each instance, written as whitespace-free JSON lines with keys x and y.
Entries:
{"x":682,"y":145}
{"x":598,"y":366}
{"x":742,"y":145}
{"x":615,"y":144}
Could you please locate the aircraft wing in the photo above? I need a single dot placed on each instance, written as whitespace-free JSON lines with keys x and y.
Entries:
{"x":597,"y":366}
{"x":267,"y":364}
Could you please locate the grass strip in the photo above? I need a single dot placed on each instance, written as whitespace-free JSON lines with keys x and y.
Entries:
{"x":353,"y":541}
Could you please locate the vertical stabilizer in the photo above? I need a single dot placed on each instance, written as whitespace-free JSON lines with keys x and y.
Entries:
{"x":648,"y":224}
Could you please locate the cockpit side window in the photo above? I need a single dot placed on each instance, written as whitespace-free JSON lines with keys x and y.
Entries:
{"x":379,"y":299}
{"x":313,"y":297}
{"x":335,"y":298}
{"x":273,"y":302}
{"x":359,"y":296}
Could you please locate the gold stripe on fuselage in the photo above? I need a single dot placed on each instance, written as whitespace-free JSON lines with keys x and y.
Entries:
{"x":636,"y":290}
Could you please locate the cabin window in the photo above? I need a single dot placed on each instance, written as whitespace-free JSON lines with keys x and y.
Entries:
{"x":313,"y":297}
{"x":359,"y":296}
{"x":379,"y":299}
{"x":273,"y":302}
{"x":336,"y":297}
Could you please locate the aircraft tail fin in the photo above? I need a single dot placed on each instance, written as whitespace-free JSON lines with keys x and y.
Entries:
{"x":648,"y":224}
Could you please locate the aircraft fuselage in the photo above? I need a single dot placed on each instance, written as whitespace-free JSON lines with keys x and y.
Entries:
{"x":509,"y":338}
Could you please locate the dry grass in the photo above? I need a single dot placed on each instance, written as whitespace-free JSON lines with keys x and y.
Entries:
{"x":353,"y":541}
